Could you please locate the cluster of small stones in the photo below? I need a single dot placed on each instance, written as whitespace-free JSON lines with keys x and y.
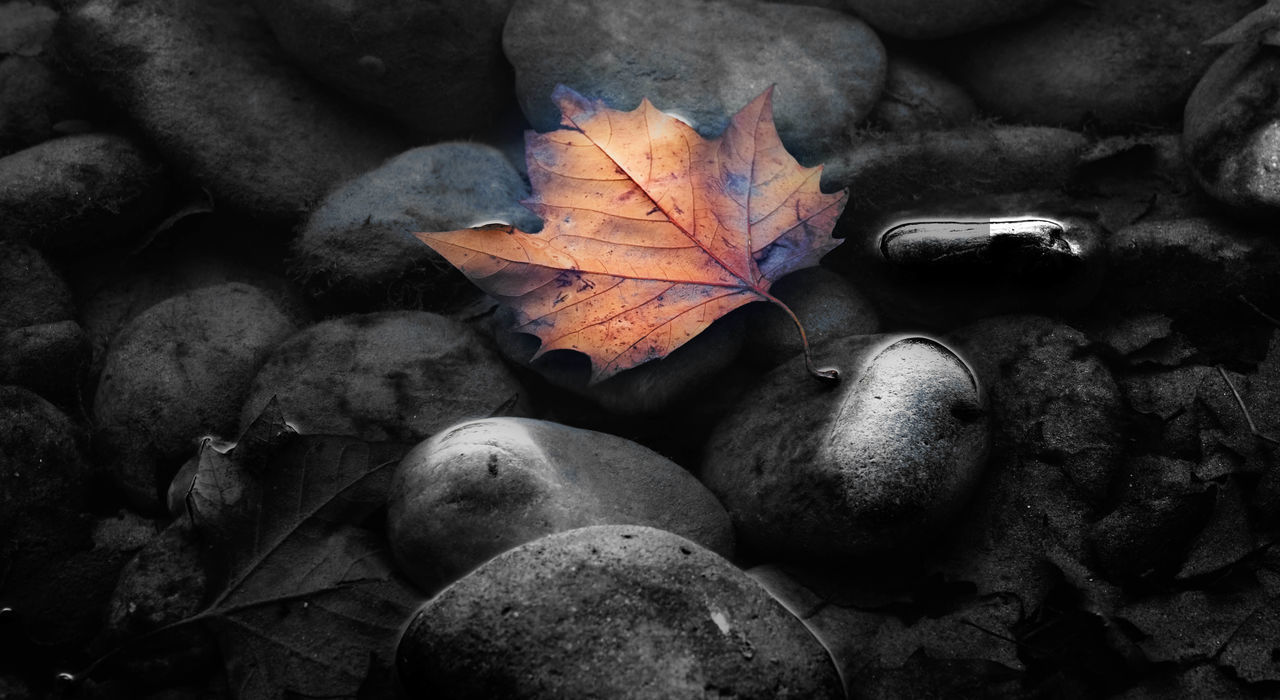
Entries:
{"x":1050,"y":467}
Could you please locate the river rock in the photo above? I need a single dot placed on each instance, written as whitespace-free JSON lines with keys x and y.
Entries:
{"x":79,"y":194}
{"x":887,"y":172}
{"x":32,"y":292}
{"x":930,"y":19}
{"x":702,"y":61}
{"x":827,"y":304}
{"x":1063,"y":67}
{"x":480,"y":488}
{"x":813,"y":472}
{"x":357,"y":250}
{"x":1194,"y":269}
{"x":394,"y":375}
{"x":176,"y":373}
{"x":45,"y":482}
{"x":918,"y":97}
{"x":113,"y":297}
{"x":208,"y":86}
{"x":51,"y":359}
{"x":1230,"y":131}
{"x":612,"y":611}
{"x":436,"y":67}
{"x":36,"y":102}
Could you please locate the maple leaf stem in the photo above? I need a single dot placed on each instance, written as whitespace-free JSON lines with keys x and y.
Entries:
{"x":826,"y":374}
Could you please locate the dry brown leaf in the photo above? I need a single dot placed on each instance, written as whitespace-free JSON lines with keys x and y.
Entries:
{"x":651,"y":232}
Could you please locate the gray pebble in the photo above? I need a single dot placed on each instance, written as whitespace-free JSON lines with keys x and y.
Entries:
{"x":436,"y":68}
{"x":207,"y":85}
{"x":611,"y":611}
{"x":827,"y":304}
{"x":817,"y":473}
{"x":395,"y":375}
{"x":78,"y":195}
{"x":934,"y":19}
{"x":918,"y":97}
{"x":1063,"y":68}
{"x":176,"y":373}
{"x":358,"y":250}
{"x":702,"y":61}
{"x":35,"y":100}
{"x":477,"y":489}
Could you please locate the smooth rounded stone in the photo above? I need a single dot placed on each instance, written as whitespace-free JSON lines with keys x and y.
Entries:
{"x":435,"y":67}
{"x":109,"y":301}
{"x":611,"y":611}
{"x":1194,"y":268}
{"x":891,"y":171}
{"x":940,"y":266}
{"x":79,"y":194}
{"x":477,"y":489}
{"x":1231,"y":129}
{"x":1063,"y":68}
{"x":51,"y":359}
{"x":176,"y":373}
{"x":918,"y":97}
{"x":827,"y":304}
{"x":35,"y":102}
{"x":684,"y":375}
{"x":875,"y":464}
{"x":358,"y":249}
{"x":931,"y":19}
{"x":702,"y":61}
{"x":45,"y":482}
{"x":394,"y":375}
{"x":164,"y":583}
{"x":209,"y":87}
{"x":31,"y":291}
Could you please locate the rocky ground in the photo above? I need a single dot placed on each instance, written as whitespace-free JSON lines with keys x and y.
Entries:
{"x":258,"y":441}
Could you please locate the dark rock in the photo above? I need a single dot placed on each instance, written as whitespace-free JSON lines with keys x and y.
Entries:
{"x":25,"y":27}
{"x":918,"y":97}
{"x":45,"y":482}
{"x":395,"y":375}
{"x":114,"y":297}
{"x":357,"y":250}
{"x":208,"y":86}
{"x":1206,"y":680}
{"x":478,"y":489}
{"x":163,"y":584}
{"x":890,"y":172}
{"x":928,"y":19}
{"x":35,"y":101}
{"x":176,"y":373}
{"x":828,"y":307}
{"x":1062,"y":68}
{"x":51,"y":359}
{"x":653,"y":613}
{"x":703,"y":61}
{"x":813,"y":472}
{"x":1193,"y":269}
{"x":437,"y":67}
{"x":684,"y":375}
{"x":31,"y":292}
{"x":79,"y":194}
{"x":1229,"y":132}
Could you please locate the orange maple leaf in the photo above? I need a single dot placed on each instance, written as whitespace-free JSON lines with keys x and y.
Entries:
{"x":650,"y":231}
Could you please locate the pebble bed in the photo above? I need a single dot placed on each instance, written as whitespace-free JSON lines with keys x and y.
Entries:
{"x":1051,"y":467}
